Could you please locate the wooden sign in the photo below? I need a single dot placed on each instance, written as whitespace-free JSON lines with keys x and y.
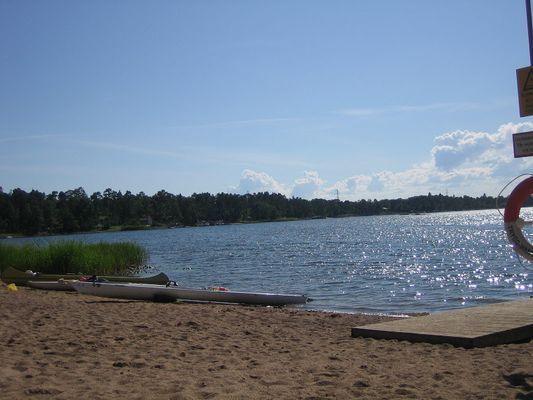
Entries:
{"x":523,"y":144}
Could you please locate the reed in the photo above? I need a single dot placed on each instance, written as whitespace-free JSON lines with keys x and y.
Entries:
{"x":75,"y":257}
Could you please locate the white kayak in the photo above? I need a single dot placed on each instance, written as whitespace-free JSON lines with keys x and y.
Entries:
{"x":60,"y":284}
{"x":142,"y":291}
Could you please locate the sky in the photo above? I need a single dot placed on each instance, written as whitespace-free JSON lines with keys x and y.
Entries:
{"x":313,"y":99}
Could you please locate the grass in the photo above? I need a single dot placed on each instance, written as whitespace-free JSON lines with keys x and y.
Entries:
{"x":102,"y":258}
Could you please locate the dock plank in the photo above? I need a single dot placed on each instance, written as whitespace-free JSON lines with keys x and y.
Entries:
{"x":489,"y":325}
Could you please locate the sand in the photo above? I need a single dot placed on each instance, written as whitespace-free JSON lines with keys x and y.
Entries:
{"x":68,"y":346}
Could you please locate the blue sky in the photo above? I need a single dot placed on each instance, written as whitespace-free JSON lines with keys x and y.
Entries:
{"x":375,"y":99}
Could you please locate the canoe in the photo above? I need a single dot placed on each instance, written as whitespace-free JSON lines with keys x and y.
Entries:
{"x":61,"y":284}
{"x":140,"y":291}
{"x":20,"y":278}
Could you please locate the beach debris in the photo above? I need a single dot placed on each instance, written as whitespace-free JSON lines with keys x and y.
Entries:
{"x":12,"y":287}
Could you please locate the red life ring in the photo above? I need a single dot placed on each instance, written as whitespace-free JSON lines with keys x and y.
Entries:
{"x":512,"y":221}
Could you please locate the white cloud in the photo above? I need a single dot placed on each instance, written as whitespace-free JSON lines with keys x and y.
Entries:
{"x":255,"y":182}
{"x":461,"y":162}
{"x":461,"y":147}
{"x":354,"y":184}
{"x":467,"y":150}
{"x":308,"y":186}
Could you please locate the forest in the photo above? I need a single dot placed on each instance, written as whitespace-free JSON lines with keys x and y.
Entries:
{"x":38,"y":213}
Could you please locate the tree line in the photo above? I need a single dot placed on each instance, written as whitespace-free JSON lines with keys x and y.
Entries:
{"x":35,"y":212}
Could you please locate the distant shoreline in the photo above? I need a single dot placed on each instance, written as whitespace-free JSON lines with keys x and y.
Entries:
{"x":37,"y":213}
{"x":131,"y":228}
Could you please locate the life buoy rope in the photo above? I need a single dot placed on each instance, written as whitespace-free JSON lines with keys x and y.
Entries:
{"x":512,"y":221}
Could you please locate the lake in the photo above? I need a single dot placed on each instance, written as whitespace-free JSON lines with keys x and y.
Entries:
{"x":379,"y":264}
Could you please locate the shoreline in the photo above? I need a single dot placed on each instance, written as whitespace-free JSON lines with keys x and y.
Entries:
{"x":61,"y":345}
{"x":203,"y":224}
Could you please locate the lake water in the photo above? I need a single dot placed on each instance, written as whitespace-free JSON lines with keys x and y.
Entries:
{"x":383,"y":264}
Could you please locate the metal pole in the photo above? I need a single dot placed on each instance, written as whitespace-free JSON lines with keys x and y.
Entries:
{"x":529,"y":31}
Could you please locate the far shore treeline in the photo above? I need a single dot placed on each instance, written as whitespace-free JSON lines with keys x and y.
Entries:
{"x":32,"y":213}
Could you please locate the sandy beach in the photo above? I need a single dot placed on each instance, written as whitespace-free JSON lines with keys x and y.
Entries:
{"x":58,"y":345}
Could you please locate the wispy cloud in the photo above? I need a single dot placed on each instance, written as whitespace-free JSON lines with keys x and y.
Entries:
{"x":28,"y":138}
{"x":361,"y":112}
{"x":446,"y":107}
{"x":243,"y":122}
{"x":70,"y":139}
{"x":131,"y":149}
{"x":208,"y":155}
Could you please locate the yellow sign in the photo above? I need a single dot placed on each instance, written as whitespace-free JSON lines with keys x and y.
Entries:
{"x":524,"y":77}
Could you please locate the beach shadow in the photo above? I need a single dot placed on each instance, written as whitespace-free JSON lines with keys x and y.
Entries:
{"x":522,"y":381}
{"x":109,"y":301}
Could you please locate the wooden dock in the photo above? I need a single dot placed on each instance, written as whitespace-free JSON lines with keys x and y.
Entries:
{"x":482,"y":326}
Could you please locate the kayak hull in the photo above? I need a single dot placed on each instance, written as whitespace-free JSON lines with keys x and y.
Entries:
{"x":21,"y":278}
{"x":61,"y":284}
{"x":133,"y":291}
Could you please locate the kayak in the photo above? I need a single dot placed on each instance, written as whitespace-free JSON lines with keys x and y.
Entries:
{"x":20,"y":278}
{"x":60,"y":284}
{"x":168,"y":293}
{"x":141,"y":291}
